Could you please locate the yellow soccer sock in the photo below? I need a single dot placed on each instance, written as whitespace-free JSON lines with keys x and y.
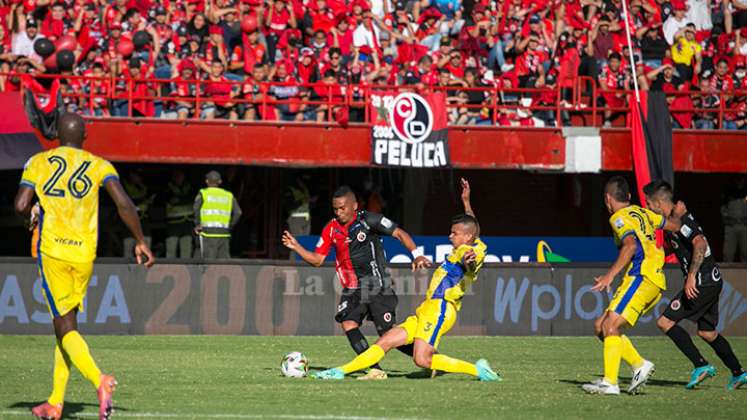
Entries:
{"x":60,"y":376}
{"x":368,"y":358}
{"x":448,"y":364}
{"x":630,"y":354}
{"x":612,"y":356}
{"x":77,"y":349}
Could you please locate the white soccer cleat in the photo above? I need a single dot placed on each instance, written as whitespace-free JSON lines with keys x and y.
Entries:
{"x":602,"y":388}
{"x":373,"y":375}
{"x":640,"y":376}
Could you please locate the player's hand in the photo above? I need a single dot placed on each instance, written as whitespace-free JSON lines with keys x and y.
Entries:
{"x":602,"y":283}
{"x":469,"y":258}
{"x":691,"y":290}
{"x":289,"y":241}
{"x":34,"y":219}
{"x":198,"y":229}
{"x":420,"y":263}
{"x":465,"y":190}
{"x":680,"y":209}
{"x":143,"y":255}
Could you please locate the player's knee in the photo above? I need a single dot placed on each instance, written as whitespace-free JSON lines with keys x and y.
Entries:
{"x":423,"y":360}
{"x":598,"y":328}
{"x":707,"y":335}
{"x":664,"y":324}
{"x":609,"y":328}
{"x":349,"y":325}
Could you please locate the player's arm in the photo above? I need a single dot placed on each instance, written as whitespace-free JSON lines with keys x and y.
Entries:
{"x":420,"y":261}
{"x":310,"y":257}
{"x":387,"y":227}
{"x":24,"y":200}
{"x":700,"y":247}
{"x":466,"y":198}
{"x":128,"y":213}
{"x":627,"y":250}
{"x":25,"y":196}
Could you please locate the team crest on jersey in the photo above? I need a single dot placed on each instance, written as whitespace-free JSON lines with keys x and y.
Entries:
{"x":388,"y":317}
{"x":675,"y":305}
{"x":361,"y":236}
{"x":686,"y":231}
{"x":619,"y":223}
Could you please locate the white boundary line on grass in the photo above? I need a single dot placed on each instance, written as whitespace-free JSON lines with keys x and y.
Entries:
{"x":210,"y":416}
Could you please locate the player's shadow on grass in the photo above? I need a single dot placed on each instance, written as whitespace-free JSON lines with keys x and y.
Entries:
{"x":418,"y":374}
{"x":650,"y":382}
{"x":390,"y":373}
{"x":70,"y":410}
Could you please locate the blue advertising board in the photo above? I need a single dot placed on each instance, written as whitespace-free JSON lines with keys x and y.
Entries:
{"x":501,"y":248}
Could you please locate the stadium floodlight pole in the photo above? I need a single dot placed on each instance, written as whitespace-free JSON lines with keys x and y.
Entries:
{"x":630,"y":50}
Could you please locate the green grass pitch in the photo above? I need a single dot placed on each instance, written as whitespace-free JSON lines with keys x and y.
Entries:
{"x":200,"y":377}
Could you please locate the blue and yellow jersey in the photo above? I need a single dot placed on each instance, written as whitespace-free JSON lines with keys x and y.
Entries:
{"x":66,"y":181}
{"x":641,"y":223}
{"x":452,"y":278}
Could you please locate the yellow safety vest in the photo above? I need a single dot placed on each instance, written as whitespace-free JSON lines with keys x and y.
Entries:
{"x":215,"y":213}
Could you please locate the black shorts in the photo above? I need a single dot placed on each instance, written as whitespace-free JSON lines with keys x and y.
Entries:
{"x":703,"y":310}
{"x":379,"y":308}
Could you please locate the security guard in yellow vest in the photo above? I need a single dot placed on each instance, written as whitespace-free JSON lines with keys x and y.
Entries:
{"x":179,"y":216}
{"x":216,"y":213}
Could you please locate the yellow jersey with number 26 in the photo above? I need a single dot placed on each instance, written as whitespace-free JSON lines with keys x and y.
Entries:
{"x":648,"y":260}
{"x":66,"y":181}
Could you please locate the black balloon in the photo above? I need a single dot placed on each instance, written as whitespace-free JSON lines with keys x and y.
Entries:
{"x":65,"y":60}
{"x":140,"y":39}
{"x":43,"y":47}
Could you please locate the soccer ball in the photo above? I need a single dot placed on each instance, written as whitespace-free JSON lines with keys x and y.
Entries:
{"x":294,"y":365}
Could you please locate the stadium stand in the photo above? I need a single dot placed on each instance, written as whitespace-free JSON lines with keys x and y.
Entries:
{"x":500,"y":63}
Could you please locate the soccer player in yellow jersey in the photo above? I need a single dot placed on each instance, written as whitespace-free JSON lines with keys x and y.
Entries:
{"x":643,"y":261}
{"x":437,"y":314}
{"x":66,"y":181}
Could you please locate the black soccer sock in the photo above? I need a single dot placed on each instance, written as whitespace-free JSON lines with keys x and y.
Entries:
{"x":407,"y":349}
{"x":725,"y":353}
{"x":358,"y":342}
{"x":683,"y":342}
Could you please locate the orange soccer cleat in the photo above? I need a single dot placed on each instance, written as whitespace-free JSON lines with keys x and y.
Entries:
{"x":47,"y":411}
{"x":105,"y":391}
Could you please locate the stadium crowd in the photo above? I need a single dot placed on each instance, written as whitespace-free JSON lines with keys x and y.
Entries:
{"x":249,"y":53}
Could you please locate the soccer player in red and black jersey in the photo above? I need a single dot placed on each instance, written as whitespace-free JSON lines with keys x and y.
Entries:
{"x":698,"y":300}
{"x":360,"y":263}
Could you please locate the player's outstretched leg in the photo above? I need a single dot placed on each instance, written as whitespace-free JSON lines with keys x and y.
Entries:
{"x":393,"y":338}
{"x":359,"y":344}
{"x":642,"y":368}
{"x":75,"y":347}
{"x":52,"y":408}
{"x":702,"y":370}
{"x":425,"y":357}
{"x":613,"y":349}
{"x":726,"y":354}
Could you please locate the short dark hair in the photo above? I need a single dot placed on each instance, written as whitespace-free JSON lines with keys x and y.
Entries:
{"x":659,"y":189}
{"x":618,"y":188}
{"x":615,"y":55}
{"x":465,"y":219}
{"x":343,"y":191}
